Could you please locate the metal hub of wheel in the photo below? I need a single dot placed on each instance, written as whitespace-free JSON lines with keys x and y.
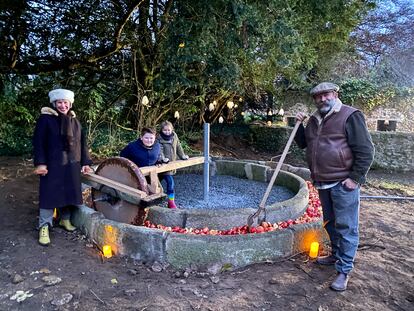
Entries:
{"x":126,"y":172}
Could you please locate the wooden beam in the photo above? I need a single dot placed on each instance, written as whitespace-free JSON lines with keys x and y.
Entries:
{"x":152,"y":197}
{"x":147,"y":170}
{"x":133,"y":195}
{"x":134,"y":199}
{"x":131,"y":191}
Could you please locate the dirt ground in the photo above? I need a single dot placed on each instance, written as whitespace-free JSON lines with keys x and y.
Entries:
{"x":71,"y":275}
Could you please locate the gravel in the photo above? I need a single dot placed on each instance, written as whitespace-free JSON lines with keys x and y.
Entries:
{"x":226,"y":192}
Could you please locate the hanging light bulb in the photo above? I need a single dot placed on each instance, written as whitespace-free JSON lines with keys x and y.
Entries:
{"x":176,"y":115}
{"x":270,"y":113}
{"x":235,"y":106}
{"x":211,"y":107}
{"x":145,"y":100}
{"x":230,"y":104}
{"x":221,"y":119}
{"x":242,"y":113}
{"x":281,"y":112}
{"x":215,"y":103}
{"x":240,"y":99}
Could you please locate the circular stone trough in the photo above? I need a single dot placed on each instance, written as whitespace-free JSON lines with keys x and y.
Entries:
{"x":224,"y":214}
{"x":184,"y":250}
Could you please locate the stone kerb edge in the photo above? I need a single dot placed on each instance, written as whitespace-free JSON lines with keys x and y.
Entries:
{"x":236,"y":250}
{"x":241,"y":250}
{"x":293,"y":207}
{"x":137,"y":242}
{"x":279,"y":211}
{"x":226,"y":219}
{"x":181,"y":251}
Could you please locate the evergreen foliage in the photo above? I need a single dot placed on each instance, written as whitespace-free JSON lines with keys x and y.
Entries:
{"x":180,"y":54}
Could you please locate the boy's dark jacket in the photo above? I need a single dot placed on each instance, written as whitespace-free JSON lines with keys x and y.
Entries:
{"x":140,"y":154}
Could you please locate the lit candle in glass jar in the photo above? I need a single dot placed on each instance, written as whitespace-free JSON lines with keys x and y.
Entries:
{"x":107,"y":251}
{"x":314,"y":249}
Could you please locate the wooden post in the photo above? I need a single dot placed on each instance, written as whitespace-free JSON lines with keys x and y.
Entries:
{"x":206,"y":170}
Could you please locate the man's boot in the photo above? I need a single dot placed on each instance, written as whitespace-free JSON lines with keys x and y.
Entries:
{"x":340,"y":283}
{"x":326,"y":260}
{"x":44,"y":239}
{"x":65,"y":223}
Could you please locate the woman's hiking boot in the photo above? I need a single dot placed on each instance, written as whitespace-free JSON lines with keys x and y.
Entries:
{"x":44,"y":239}
{"x":65,"y":223}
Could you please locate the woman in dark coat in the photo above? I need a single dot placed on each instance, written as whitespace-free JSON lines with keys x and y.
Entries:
{"x":60,"y":155}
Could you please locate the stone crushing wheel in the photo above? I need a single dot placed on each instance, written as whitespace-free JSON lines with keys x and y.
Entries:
{"x":121,"y":190}
{"x":108,"y":201}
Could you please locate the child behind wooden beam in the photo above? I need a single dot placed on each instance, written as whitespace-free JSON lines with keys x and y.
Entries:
{"x":172,"y":150}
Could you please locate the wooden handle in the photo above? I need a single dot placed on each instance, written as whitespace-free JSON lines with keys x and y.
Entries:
{"x":279,"y":165}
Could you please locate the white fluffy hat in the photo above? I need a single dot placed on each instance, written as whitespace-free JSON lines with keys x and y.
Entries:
{"x":57,"y":94}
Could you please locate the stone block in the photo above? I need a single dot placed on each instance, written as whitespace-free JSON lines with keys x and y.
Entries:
{"x":235,"y":251}
{"x":143,"y":244}
{"x":167,"y":217}
{"x":85,"y":219}
{"x":231,"y":168}
{"x":217,"y":219}
{"x":256,"y":172}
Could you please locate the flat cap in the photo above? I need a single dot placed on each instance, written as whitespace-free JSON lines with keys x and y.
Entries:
{"x":323,"y":88}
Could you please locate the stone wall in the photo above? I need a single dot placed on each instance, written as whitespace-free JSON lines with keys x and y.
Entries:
{"x":400,"y":111}
{"x":393,"y":150}
{"x":404,"y":117}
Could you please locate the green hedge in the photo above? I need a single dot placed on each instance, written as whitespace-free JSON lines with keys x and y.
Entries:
{"x":15,"y":140}
{"x":273,"y":139}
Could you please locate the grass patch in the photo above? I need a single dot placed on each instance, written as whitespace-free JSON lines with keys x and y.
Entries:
{"x":401,"y":188}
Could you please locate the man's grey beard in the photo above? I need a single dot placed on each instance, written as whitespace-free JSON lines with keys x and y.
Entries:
{"x":326,"y":106}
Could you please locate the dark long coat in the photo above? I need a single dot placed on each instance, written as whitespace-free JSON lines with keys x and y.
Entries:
{"x":61,"y":186}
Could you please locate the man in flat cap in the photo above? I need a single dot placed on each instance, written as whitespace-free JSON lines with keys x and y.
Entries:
{"x":339,"y":152}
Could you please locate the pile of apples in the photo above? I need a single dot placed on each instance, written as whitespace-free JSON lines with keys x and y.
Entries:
{"x":312,"y":213}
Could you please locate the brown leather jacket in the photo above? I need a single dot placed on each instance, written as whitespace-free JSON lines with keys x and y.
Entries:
{"x":328,"y":153}
{"x":358,"y":140}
